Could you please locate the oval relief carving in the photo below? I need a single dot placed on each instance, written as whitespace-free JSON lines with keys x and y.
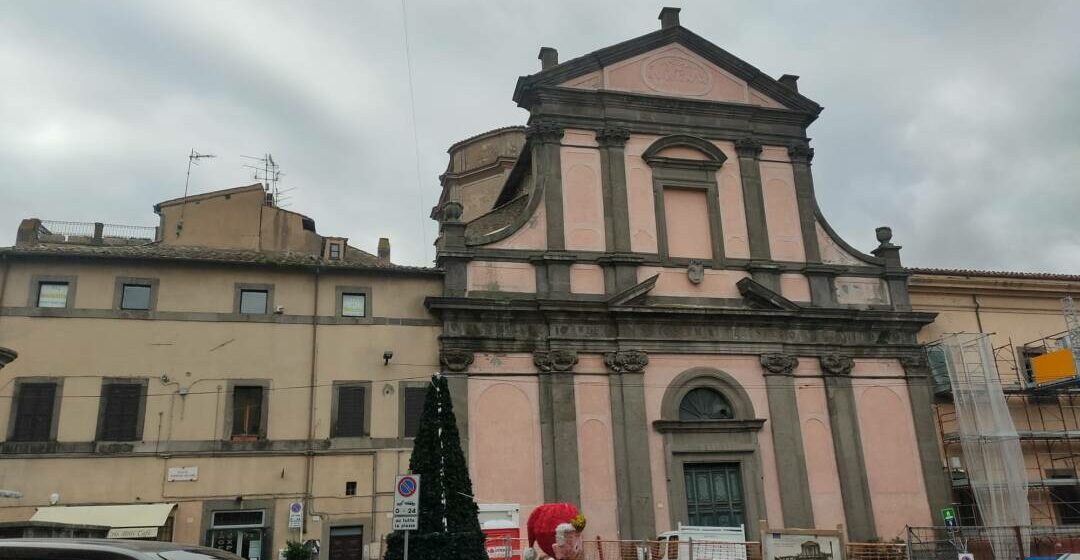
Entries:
{"x":672,"y":74}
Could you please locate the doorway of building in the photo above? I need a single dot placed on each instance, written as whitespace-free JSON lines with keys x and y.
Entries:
{"x":714,"y":494}
{"x":239,"y":532}
{"x":346,"y":543}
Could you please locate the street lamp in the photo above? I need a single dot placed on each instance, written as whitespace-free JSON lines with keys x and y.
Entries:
{"x":7,"y":356}
{"x":14,"y":494}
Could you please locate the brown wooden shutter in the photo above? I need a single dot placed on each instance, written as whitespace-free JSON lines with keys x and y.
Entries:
{"x":414,"y":408}
{"x":120,"y":420}
{"x":247,"y":411}
{"x":33,"y":418}
{"x":350,"y":411}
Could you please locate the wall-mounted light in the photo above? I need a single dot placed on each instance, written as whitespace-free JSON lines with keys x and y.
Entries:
{"x":386,"y":355}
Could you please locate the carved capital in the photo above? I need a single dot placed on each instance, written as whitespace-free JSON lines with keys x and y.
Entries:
{"x":626,"y":361}
{"x":835,"y":364}
{"x":779,"y":363}
{"x":455,"y":361}
{"x":544,"y":132}
{"x":555,"y":360}
{"x":747,"y":147}
{"x":800,"y":154}
{"x":915,"y":364}
{"x":612,"y":136}
{"x":451,"y":211}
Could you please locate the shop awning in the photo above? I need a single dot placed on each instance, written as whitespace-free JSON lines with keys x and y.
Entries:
{"x":126,"y":522}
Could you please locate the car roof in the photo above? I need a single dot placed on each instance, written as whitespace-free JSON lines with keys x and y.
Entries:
{"x":132,"y":548}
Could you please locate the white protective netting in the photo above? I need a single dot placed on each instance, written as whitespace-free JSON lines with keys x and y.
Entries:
{"x":993,"y":458}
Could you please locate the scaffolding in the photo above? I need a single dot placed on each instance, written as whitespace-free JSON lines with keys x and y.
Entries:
{"x":1046,"y":421}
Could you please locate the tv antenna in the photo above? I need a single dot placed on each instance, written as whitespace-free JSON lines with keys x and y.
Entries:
{"x":269,"y":173}
{"x":193,"y":159}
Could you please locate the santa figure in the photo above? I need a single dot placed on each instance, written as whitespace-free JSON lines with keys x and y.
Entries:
{"x":556,"y":529}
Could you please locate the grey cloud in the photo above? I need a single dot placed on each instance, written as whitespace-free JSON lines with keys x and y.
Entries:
{"x":954,"y":123}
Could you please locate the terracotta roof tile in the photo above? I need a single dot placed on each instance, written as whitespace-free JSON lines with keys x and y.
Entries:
{"x":995,"y":273}
{"x":355,"y":259}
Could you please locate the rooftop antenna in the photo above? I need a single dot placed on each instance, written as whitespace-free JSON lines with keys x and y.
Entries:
{"x":269,"y":173}
{"x":193,"y":159}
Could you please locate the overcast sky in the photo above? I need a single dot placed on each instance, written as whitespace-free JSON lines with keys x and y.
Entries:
{"x":956,"y":123}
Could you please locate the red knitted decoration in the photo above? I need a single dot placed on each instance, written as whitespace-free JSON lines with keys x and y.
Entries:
{"x":542,"y":523}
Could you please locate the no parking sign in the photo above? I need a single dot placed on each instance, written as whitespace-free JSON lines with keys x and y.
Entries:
{"x":407,"y":502}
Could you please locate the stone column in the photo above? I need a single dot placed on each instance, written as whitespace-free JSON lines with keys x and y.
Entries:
{"x":749,"y":150}
{"x":801,"y":156}
{"x":629,"y":436}
{"x":847,"y":446}
{"x":455,"y":363}
{"x":795,"y":499}
{"x":920,"y":393}
{"x":558,"y":425}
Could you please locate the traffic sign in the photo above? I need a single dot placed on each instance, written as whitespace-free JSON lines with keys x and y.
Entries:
{"x":949,"y":515}
{"x":407,"y":502}
{"x":296,"y":515}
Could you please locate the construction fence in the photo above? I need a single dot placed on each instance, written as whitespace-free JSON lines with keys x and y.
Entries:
{"x":598,"y":549}
{"x":992,"y":543}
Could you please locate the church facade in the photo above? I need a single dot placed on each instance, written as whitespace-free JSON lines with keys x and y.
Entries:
{"x":646,"y":313}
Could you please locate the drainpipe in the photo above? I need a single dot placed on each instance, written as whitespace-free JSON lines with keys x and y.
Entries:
{"x":309,"y":464}
{"x":978,"y":319}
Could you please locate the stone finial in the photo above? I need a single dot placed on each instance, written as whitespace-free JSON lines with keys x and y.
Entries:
{"x":626,"y":361}
{"x":669,"y":17}
{"x":544,"y":131}
{"x":884,"y":235}
{"x":835,"y":364}
{"x":612,"y":136}
{"x":549,"y":58}
{"x":555,"y":360}
{"x":790,"y":81}
{"x":887,"y":250}
{"x":779,"y":363}
{"x":747,"y":147}
{"x":455,"y":361}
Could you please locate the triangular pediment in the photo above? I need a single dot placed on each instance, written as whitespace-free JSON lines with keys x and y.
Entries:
{"x":674,"y":63}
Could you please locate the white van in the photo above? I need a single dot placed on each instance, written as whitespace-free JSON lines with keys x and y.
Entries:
{"x":701,"y":543}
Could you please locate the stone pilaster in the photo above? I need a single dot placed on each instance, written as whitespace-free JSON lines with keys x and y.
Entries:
{"x":612,"y":141}
{"x":801,"y":156}
{"x":546,"y":138}
{"x":795,"y":500}
{"x":920,"y":394}
{"x":749,"y":150}
{"x":629,"y":435}
{"x":456,"y":364}
{"x":847,"y":447}
{"x":558,"y":425}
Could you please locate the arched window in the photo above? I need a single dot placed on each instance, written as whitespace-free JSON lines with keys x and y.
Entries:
{"x":705,"y":404}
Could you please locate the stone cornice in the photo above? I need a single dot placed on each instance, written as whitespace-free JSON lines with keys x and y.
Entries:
{"x":749,"y":425}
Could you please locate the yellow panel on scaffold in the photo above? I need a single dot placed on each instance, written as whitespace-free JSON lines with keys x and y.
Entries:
{"x":1053,"y":366}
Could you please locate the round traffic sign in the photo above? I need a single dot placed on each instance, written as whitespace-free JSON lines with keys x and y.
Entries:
{"x":406,"y":486}
{"x":295,"y":507}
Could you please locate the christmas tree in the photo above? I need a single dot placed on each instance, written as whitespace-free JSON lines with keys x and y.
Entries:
{"x":448,"y":524}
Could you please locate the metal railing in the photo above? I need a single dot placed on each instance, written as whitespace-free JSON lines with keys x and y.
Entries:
{"x":56,"y":231}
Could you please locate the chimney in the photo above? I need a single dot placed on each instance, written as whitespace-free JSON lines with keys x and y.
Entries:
{"x":549,"y":58}
{"x":669,"y":17}
{"x":384,"y":250}
{"x":791,"y":81}
{"x":27,"y":233}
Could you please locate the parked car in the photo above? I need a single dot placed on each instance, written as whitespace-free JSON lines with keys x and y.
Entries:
{"x":106,"y":549}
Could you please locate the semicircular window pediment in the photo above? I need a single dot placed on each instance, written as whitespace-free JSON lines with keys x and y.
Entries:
{"x":703,"y":404}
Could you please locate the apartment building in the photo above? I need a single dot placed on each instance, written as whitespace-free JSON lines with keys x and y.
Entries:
{"x":196,"y":380}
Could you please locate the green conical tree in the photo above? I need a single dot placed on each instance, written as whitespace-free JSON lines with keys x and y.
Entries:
{"x":448,"y":524}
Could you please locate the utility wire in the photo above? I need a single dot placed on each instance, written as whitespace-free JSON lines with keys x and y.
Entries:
{"x":416,"y":137}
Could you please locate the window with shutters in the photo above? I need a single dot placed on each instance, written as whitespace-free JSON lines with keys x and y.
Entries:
{"x":35,"y":407}
{"x":412,"y":406}
{"x":350,"y":417}
{"x":247,"y":411}
{"x":121,"y":403}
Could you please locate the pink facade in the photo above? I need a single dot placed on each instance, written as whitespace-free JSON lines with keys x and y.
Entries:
{"x":795,"y":287}
{"x":533,"y":235}
{"x":595,"y":452}
{"x":674,"y":282}
{"x":821,"y":468}
{"x":639,"y":195}
{"x":732,"y":211}
{"x":504,"y":442}
{"x":583,"y":200}
{"x":586,"y":279}
{"x":781,"y":208}
{"x":688,"y":230}
{"x":494,"y":276}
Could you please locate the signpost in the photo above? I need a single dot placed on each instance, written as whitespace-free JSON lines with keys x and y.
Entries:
{"x":949,"y":515}
{"x":407,"y":506}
